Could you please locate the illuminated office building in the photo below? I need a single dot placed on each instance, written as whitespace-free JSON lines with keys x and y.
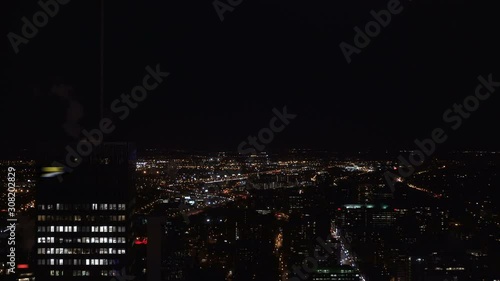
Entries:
{"x":83,"y":226}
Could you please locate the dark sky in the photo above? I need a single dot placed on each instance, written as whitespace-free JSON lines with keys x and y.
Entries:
{"x":226,"y":77}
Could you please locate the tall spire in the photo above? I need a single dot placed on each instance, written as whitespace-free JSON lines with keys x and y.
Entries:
{"x":101,"y":94}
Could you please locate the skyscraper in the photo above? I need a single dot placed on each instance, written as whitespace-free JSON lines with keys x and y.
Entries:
{"x":83,"y":225}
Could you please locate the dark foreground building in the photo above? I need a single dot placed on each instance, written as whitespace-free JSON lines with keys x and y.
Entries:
{"x":83,"y":226}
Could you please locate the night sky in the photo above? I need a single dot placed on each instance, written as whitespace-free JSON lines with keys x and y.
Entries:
{"x":226,"y":77}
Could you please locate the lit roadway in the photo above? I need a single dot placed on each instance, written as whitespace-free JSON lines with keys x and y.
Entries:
{"x":347,"y":256}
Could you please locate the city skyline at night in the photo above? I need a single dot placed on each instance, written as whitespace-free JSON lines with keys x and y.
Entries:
{"x":320,"y":212}
{"x":238,"y":140}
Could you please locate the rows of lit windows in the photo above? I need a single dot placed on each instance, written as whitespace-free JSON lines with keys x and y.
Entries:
{"x":105,"y":207}
{"x":81,"y":273}
{"x":110,"y":273}
{"x":83,"y":207}
{"x":78,"y":261}
{"x":56,"y":273}
{"x":85,"y":273}
{"x":75,"y":228}
{"x":80,"y":251}
{"x":82,"y":240}
{"x":79,"y":218}
{"x":106,"y":228}
{"x":46,"y":239}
